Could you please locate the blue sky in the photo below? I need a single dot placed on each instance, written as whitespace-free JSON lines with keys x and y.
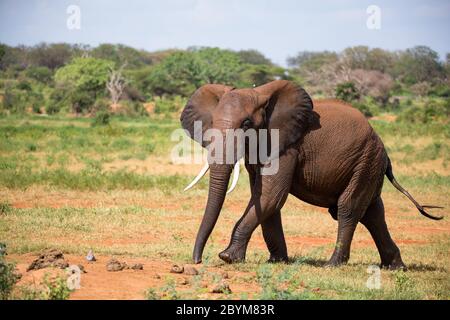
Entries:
{"x":276,"y":28}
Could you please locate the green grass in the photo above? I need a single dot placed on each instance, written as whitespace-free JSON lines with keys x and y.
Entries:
{"x":91,"y":179}
{"x":155,"y":220}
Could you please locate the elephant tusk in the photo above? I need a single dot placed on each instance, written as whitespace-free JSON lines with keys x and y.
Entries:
{"x":235,"y":177}
{"x":198,"y":177}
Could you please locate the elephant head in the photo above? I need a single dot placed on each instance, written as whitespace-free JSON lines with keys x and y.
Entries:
{"x":278,"y":105}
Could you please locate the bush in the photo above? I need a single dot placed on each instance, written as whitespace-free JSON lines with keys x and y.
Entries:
{"x":8,"y":276}
{"x":52,"y":108}
{"x":102,"y":118}
{"x":83,"y":81}
{"x":100,"y":105}
{"x":5,"y":208}
{"x":167,"y":106}
{"x":432,"y":112}
{"x":15,"y":100}
{"x":82,"y":101}
{"x":182,"y":72}
{"x":347,"y":92}
{"x":420,"y":89}
{"x":134,"y":108}
{"x":56,"y":289}
{"x":41,"y":74}
{"x":441,"y":90}
{"x":19,"y":97}
{"x":24,"y":85}
{"x":364,"y":108}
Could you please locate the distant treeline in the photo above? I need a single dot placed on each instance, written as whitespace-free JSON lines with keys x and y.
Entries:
{"x":79,"y":78}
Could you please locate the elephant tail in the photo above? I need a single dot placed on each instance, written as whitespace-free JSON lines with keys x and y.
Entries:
{"x":394,"y":182}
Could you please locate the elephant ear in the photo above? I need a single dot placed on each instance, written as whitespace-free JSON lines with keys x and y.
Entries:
{"x":200,"y":107}
{"x":288,"y":108}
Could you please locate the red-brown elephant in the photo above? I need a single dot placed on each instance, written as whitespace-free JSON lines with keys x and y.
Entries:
{"x":329,"y":157}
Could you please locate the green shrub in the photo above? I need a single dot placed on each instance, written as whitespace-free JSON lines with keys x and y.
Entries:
{"x":132,"y":108}
{"x":56,"y":289}
{"x":431,"y":112}
{"x":50,"y":289}
{"x":367,"y":109}
{"x":31,"y":147}
{"x":149,"y":147}
{"x":15,"y":100}
{"x":52,"y":108}
{"x":441,"y":90}
{"x":82,"y":101}
{"x":101,"y":105}
{"x":58,"y":99}
{"x":5,"y":208}
{"x":24,"y":85}
{"x":41,"y":74}
{"x":347,"y":91}
{"x":8,"y":276}
{"x":151,"y":294}
{"x":102,"y":118}
{"x":169,"y":105}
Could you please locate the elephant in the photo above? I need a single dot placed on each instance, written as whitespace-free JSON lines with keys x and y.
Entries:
{"x":329,"y":156}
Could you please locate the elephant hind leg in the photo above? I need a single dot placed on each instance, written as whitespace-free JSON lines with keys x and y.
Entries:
{"x":272,"y":230}
{"x":347,"y":223}
{"x":351,"y":206}
{"x":374,"y":220}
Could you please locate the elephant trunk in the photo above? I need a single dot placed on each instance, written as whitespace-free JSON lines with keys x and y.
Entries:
{"x":218,"y":183}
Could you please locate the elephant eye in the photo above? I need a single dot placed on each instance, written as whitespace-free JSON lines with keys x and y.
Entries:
{"x":246,"y":124}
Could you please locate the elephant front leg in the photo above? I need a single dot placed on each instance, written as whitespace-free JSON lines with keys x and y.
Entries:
{"x":257,"y":213}
{"x":269,"y":193}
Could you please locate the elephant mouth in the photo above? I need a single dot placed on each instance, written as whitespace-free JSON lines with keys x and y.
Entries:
{"x":204,"y":170}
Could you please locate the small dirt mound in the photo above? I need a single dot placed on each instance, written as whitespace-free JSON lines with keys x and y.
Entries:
{"x":190,"y":271}
{"x":222,"y":287}
{"x":115,"y":265}
{"x":137,"y":266}
{"x":177,"y":269}
{"x":50,"y":258}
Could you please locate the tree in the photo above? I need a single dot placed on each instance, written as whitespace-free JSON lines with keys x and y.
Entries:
{"x":3,"y":48}
{"x":14,"y":57}
{"x":41,"y":74}
{"x":311,"y":61}
{"x":120,"y":54}
{"x":219,"y":66}
{"x":256,"y":75}
{"x":54,"y":55}
{"x":419,"y":64}
{"x":83,"y":81}
{"x":183,"y":72}
{"x":372,"y":83}
{"x":116,"y":84}
{"x":88,"y":74}
{"x":347,"y":92}
{"x":447,"y":66}
{"x":180,"y":73}
{"x":362,"y":57}
{"x":380,"y":60}
{"x":252,"y":56}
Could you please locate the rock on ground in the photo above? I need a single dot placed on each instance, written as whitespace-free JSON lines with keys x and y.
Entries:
{"x":49,"y":258}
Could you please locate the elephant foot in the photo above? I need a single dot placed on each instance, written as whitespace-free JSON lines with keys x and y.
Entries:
{"x":394,"y":263}
{"x":336,"y":260}
{"x":231,"y":255}
{"x":276,"y":258}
